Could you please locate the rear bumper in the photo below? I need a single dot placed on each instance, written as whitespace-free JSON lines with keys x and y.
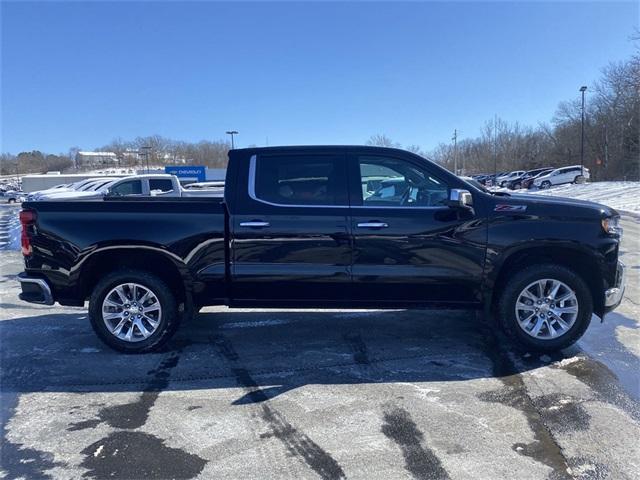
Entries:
{"x":613,"y":296}
{"x":35,"y":290}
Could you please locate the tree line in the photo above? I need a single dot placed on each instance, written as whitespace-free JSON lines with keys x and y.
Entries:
{"x":130,"y":154}
{"x":611,"y":147}
{"x":165,"y":151}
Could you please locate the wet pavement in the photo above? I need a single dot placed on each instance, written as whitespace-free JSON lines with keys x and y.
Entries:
{"x":318,"y":394}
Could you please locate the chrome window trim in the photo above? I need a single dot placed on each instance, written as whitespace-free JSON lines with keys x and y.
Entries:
{"x":253,"y":196}
{"x":369,"y":207}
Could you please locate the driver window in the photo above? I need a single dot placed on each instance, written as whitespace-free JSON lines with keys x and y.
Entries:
{"x":391,"y":182}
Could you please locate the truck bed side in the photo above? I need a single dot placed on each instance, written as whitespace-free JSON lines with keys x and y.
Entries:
{"x":74,"y":244}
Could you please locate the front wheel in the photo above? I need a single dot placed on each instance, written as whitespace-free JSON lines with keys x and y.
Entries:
{"x":546,"y":184}
{"x":545,"y":307}
{"x":133,"y":311}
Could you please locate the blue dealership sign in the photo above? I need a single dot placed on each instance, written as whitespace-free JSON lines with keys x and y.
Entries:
{"x":190,"y":172}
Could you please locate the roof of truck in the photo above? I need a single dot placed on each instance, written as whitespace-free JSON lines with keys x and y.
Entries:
{"x":371,"y":148}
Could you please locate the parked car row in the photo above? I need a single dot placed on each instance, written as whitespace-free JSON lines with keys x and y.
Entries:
{"x":10,"y":185}
{"x":154,"y":185}
{"x":11,"y":196}
{"x":11,"y":191}
{"x":536,"y":178}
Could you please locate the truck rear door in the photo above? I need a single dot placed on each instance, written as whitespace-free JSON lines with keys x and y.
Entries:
{"x":290,"y":228}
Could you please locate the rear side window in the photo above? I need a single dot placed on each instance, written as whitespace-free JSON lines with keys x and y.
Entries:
{"x":161,"y":185}
{"x":300,"y":180}
{"x":131,"y":187}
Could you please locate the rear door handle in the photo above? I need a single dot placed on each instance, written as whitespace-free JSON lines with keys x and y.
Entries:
{"x":255,"y":224}
{"x":373,"y":225}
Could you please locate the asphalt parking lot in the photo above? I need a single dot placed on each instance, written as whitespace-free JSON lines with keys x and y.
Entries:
{"x":308,"y":394}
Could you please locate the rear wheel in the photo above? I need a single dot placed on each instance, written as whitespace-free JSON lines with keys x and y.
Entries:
{"x":545,"y":307}
{"x":516,"y":186}
{"x":133,"y":311}
{"x":12,"y":200}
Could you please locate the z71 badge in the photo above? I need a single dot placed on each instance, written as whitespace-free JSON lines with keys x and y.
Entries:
{"x":502,"y":207}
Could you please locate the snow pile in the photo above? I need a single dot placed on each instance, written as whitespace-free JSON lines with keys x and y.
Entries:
{"x":623,"y":196}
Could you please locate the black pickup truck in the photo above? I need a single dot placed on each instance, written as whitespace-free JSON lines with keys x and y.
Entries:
{"x":326,"y":227}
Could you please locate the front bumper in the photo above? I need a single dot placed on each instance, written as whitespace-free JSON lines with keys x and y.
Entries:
{"x":35,"y":290}
{"x":613,"y":296}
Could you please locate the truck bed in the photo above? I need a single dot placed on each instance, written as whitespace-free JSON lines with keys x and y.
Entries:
{"x":70,"y":238}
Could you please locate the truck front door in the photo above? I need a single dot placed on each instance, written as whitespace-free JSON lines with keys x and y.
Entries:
{"x":409,"y":246}
{"x":290,"y":229}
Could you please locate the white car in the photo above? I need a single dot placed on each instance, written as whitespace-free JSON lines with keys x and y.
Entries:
{"x":151,"y":185}
{"x":89,"y":190}
{"x":502,"y":180}
{"x":156,"y":185}
{"x":12,"y":197}
{"x":73,"y":187}
{"x":562,"y":175}
{"x":205,"y":185}
{"x":138,"y":185}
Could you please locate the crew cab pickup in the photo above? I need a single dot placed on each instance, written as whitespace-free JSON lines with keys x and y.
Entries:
{"x":326,"y":227}
{"x":135,"y":185}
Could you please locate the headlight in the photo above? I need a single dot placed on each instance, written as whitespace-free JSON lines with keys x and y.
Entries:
{"x":611,"y":225}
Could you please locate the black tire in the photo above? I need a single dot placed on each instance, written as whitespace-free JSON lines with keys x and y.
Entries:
{"x":169,"y":320}
{"x":505,"y":309}
{"x":516,"y":186}
{"x":546,"y":184}
{"x":12,"y":200}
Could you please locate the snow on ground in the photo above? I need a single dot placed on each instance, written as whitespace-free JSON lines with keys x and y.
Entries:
{"x":623,"y":196}
{"x":9,"y":228}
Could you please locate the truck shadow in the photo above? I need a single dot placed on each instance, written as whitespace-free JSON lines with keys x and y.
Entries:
{"x":266,"y":351}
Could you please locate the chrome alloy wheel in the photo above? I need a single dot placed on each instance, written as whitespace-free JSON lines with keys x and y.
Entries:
{"x":546,"y":309}
{"x":131,"y":312}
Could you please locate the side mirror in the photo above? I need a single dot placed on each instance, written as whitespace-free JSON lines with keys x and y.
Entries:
{"x":459,"y":198}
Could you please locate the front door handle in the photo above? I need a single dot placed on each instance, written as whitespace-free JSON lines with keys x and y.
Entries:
{"x":373,"y":225}
{"x":255,"y":224}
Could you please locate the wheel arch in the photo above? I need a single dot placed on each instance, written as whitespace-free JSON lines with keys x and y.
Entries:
{"x":583,"y":262}
{"x":147,"y":259}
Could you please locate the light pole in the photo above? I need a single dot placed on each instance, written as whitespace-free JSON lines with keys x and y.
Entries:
{"x":232,"y":133}
{"x":582,"y":89}
{"x":455,"y":152}
{"x":146,"y":155}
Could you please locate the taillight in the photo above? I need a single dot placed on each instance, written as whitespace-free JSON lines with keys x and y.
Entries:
{"x":27,"y":218}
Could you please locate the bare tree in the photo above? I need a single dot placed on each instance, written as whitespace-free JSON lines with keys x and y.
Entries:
{"x":381,"y":140}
